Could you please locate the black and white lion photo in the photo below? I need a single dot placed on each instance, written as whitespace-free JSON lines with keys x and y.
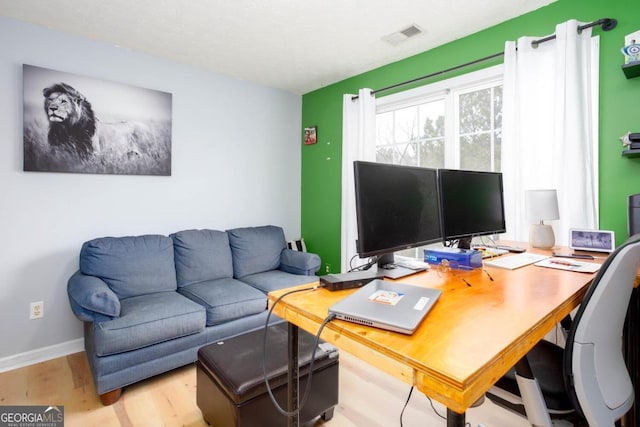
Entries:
{"x":79,"y":124}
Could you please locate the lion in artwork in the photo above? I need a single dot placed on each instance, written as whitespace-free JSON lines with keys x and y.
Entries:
{"x":72,"y":123}
{"x":78,"y":138}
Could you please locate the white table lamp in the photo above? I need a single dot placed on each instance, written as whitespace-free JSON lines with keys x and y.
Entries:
{"x":541,"y":205}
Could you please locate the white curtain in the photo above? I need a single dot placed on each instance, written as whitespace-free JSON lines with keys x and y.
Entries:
{"x":358,"y":143}
{"x":550,"y":128}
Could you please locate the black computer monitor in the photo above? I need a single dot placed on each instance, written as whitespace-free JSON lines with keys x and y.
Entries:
{"x":397,"y":208}
{"x":472,"y":204}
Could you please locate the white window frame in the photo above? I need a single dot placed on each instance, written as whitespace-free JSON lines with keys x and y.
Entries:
{"x":449,"y":91}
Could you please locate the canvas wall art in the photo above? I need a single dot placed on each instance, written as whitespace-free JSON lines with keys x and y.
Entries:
{"x":73,"y":123}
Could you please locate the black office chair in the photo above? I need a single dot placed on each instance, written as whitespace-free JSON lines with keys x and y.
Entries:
{"x":588,"y":380}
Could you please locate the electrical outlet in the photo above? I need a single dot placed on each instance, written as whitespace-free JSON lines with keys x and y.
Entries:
{"x":37,"y":310}
{"x":327,"y":268}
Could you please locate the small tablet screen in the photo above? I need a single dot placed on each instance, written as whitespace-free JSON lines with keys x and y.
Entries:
{"x":592,"y":240}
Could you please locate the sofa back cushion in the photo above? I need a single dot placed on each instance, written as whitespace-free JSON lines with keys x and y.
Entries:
{"x":256,"y":249}
{"x":132,"y":265}
{"x":201,"y":255}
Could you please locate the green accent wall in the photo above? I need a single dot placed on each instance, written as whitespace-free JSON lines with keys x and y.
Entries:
{"x":619,"y":113}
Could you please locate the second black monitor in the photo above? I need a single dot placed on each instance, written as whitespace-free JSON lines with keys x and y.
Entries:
{"x":472,"y":204}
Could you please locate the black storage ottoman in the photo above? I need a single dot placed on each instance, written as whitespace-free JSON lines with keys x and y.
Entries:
{"x":231,"y":391}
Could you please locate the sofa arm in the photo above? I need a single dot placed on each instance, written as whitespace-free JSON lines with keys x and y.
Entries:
{"x":91,"y":299}
{"x":296,"y":262}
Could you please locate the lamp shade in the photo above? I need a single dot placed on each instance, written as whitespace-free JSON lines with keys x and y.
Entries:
{"x":541,"y":205}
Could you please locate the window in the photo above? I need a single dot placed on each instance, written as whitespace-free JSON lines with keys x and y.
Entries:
{"x":412,"y":135}
{"x":456,"y":123}
{"x":479,"y":128}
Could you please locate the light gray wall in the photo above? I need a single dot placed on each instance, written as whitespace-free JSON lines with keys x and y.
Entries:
{"x":236,"y":162}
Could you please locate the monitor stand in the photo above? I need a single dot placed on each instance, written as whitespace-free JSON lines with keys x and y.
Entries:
{"x":464,"y":242}
{"x":386,"y":265}
{"x":396,"y":272}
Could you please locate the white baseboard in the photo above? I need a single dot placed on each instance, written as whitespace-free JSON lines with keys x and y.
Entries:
{"x":41,"y":354}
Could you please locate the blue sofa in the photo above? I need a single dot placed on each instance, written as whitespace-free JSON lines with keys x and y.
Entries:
{"x":149,"y":302}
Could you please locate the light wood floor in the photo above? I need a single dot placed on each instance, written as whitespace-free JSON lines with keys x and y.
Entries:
{"x":368,"y":398}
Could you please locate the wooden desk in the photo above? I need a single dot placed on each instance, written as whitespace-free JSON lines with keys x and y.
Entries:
{"x":472,"y":336}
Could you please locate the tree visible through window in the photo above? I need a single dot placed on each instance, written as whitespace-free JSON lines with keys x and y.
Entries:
{"x":412,"y":136}
{"x":480,"y":129}
{"x":455,"y":124}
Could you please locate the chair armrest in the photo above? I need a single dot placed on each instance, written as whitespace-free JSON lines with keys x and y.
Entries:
{"x":91,"y":298}
{"x":296,"y":262}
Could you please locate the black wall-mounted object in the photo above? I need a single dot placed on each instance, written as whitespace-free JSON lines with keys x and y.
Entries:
{"x":633,"y":214}
{"x":631,"y":70}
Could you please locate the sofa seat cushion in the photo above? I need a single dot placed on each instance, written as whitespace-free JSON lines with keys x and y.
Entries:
{"x":256,"y":249}
{"x":201,"y":255}
{"x":276,"y":279}
{"x":132,"y":265}
{"x":149,"y":319}
{"x":226,"y":299}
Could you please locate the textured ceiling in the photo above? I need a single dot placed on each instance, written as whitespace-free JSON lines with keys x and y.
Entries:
{"x":294,"y":45}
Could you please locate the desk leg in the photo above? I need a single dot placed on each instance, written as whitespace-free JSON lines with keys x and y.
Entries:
{"x":293,"y":375}
{"x":455,"y":419}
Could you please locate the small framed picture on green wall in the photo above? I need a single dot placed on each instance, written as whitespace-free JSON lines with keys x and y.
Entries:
{"x":310,"y":135}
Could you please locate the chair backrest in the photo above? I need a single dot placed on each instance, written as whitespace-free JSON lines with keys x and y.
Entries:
{"x":597,"y":378}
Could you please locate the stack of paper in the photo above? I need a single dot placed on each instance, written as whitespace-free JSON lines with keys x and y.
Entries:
{"x":570,"y":265}
{"x":511,"y":262}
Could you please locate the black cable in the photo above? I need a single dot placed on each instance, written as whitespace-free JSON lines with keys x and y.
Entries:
{"x":364,"y":266}
{"x":435,"y":410}
{"x":432,"y":407}
{"x":440,"y":415}
{"x":351,"y":268}
{"x":307,"y":389}
{"x":405,"y":405}
{"x":264,"y":346}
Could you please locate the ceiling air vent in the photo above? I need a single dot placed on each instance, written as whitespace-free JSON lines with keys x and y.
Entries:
{"x":402,"y":35}
{"x":411,"y":31}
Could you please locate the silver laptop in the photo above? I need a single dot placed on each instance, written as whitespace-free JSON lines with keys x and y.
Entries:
{"x":388,"y":305}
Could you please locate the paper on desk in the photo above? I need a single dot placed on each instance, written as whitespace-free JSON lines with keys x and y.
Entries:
{"x":569,"y":265}
{"x":511,"y":262}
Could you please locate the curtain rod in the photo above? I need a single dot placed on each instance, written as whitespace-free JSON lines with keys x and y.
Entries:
{"x":606,"y":23}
